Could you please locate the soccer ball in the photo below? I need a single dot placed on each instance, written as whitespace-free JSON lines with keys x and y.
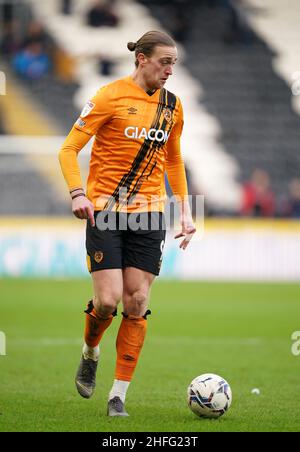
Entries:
{"x":209,"y":396}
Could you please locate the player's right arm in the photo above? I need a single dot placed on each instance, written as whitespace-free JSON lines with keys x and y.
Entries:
{"x":81,"y":206}
{"x":95,"y":113}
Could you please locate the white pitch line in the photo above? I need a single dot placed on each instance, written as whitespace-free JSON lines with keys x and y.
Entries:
{"x":45,"y":342}
{"x":251,"y":341}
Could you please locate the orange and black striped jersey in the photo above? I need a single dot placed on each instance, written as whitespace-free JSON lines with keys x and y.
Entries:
{"x":137,"y":139}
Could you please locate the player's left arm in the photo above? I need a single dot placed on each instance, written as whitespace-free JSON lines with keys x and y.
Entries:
{"x":177,"y":180}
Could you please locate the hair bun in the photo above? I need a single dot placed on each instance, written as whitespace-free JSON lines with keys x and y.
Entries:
{"x":131,"y":46}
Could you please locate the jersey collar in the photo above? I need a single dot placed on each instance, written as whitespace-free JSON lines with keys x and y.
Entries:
{"x":149,"y":96}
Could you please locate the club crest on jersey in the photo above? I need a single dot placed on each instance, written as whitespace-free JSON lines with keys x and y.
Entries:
{"x":151,"y":134}
{"x":167,"y":114}
{"x":87,"y":109}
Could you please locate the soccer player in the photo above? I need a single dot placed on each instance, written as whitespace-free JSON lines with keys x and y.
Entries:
{"x":137,"y":125}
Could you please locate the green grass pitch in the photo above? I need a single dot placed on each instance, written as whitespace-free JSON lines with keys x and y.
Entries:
{"x":239,"y":331}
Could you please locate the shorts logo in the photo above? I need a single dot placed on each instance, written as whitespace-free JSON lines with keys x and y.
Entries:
{"x":87,"y":109}
{"x":162,"y":244}
{"x":168,"y":114}
{"x":98,"y":256}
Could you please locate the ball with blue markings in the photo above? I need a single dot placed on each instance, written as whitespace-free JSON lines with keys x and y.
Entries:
{"x":209,"y":395}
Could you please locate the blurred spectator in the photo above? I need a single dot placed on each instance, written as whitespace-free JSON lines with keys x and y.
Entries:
{"x":179,"y":22}
{"x":102,"y":14}
{"x":67,"y":7}
{"x":32,"y":62}
{"x":36,"y":33}
{"x":291,"y":207}
{"x":6,"y":11}
{"x":10,"y":42}
{"x":258,"y":199}
{"x":106,"y":65}
{"x":239,"y":31}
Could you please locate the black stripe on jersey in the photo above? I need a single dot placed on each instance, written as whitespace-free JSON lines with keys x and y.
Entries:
{"x":170,"y":102}
{"x":129,"y":177}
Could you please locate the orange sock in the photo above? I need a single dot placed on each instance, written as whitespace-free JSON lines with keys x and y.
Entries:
{"x":129,"y":343}
{"x":95,"y":325}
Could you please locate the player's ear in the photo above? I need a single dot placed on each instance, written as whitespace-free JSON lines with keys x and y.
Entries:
{"x":142,"y":59}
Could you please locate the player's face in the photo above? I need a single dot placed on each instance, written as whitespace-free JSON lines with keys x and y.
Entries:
{"x":158,"y":68}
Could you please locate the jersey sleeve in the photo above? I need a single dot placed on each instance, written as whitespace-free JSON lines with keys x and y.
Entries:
{"x":72,"y":145}
{"x":96,"y":112}
{"x":174,"y":161}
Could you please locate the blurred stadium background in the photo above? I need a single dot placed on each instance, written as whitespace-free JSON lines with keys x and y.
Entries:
{"x":239,"y":81}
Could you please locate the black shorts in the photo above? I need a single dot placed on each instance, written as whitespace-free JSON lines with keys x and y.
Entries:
{"x":122,"y":240}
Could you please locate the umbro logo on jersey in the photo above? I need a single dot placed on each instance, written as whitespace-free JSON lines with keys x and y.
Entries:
{"x":132,"y":111}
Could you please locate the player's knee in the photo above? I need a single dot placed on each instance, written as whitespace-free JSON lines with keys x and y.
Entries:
{"x":106,"y":304}
{"x":136,"y":303}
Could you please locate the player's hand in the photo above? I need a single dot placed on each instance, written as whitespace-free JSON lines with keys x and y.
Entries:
{"x":188,"y":229}
{"x":83,"y":208}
